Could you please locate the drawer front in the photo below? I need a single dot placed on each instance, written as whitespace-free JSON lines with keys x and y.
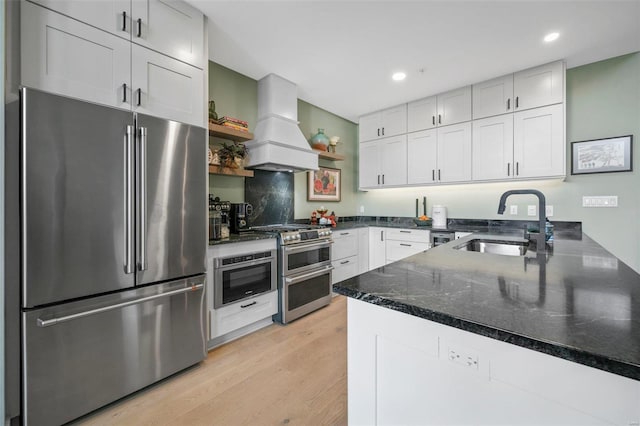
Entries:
{"x":416,"y":235}
{"x":345,"y":244}
{"x":344,"y":269}
{"x":397,"y":250}
{"x":230,"y":318}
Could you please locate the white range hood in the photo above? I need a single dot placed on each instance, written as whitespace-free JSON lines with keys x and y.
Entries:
{"x":278,"y":143}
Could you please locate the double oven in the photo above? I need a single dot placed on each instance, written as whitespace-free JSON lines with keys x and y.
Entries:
{"x":304,"y":269}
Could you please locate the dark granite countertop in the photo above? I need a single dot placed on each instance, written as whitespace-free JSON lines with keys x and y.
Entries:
{"x":245,"y":236}
{"x":577,"y":302}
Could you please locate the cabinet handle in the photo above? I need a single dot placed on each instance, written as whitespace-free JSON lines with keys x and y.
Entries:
{"x":378,"y":131}
{"x":139,"y":30}
{"x":517,"y":99}
{"x":508,"y":169}
{"x":378,"y":179}
{"x":139,"y":94}
{"x":344,"y":233}
{"x":517,"y":168}
{"x":124,"y":92}
{"x":405,"y":232}
{"x":433,"y":119}
{"x":439,"y":119}
{"x":438,"y":174}
{"x":406,"y":245}
{"x":433,"y":174}
{"x":383,"y":131}
{"x":381,"y":235}
{"x":124,"y":20}
{"x":383,"y":179}
{"x":344,"y":262}
{"x":249,"y":304}
{"x":508,"y":104}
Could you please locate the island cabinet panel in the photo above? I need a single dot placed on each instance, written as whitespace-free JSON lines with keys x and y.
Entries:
{"x":404,"y":369}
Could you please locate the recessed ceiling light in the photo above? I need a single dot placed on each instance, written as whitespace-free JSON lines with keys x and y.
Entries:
{"x":399,"y":76}
{"x":551,"y":37}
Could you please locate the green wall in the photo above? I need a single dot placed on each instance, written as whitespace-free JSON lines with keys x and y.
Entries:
{"x":603,"y":100}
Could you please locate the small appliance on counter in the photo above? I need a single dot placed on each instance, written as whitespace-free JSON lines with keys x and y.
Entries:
{"x":439,"y":216}
{"x":239,"y":217}
{"x":218,"y":218}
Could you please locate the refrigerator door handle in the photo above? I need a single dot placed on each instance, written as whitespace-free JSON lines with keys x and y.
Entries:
{"x":54,"y":321}
{"x":128,"y":237}
{"x":142,"y":200}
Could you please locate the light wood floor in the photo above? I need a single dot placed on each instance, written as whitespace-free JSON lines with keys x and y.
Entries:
{"x":294,"y":374}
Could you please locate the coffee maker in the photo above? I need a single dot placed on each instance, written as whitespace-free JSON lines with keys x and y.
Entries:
{"x":218,"y":218}
{"x":239,"y":217}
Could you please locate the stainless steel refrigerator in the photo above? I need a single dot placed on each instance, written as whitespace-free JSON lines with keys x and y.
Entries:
{"x":112,"y":246}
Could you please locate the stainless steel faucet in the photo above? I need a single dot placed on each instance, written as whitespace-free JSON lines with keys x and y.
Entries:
{"x":542,"y":207}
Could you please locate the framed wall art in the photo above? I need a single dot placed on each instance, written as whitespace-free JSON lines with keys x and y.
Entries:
{"x":324,"y":184}
{"x":602,"y":155}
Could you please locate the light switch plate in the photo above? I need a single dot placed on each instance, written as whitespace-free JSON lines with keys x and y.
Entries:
{"x":361,"y":209}
{"x":549,"y":211}
{"x":600,"y":201}
{"x":513,"y":209}
{"x":531,"y":210}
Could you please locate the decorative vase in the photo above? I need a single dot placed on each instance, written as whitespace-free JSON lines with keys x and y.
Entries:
{"x":320,"y":140}
{"x":213,"y":115}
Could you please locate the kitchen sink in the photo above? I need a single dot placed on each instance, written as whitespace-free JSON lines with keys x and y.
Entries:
{"x":504,"y":248}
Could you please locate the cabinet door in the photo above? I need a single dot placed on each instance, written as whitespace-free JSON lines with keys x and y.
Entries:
{"x":421,"y":115}
{"x":539,"y":149}
{"x":454,"y":106}
{"x":369,"y":165}
{"x":422,"y":149}
{"x":171,"y":27}
{"x":363,"y":250}
{"x":167,"y":88}
{"x":493,"y":97}
{"x":369,"y":126}
{"x":393,"y":156}
{"x":377,"y":244}
{"x":454,"y":153}
{"x":539,"y":86}
{"x":113,"y":16}
{"x":63,"y":56}
{"x":492,"y":148}
{"x":398,"y":250}
{"x":344,"y":269}
{"x":345,"y":244}
{"x":394,"y":121}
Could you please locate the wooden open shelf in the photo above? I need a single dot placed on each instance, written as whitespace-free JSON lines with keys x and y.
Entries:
{"x":229,"y":133}
{"x":218,"y":170}
{"x":329,"y":155}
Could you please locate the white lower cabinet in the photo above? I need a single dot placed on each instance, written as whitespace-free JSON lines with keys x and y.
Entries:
{"x":402,"y":243}
{"x":363,"y":250}
{"x":233,"y":317}
{"x":344,"y":269}
{"x":407,"y":370}
{"x":377,"y":243}
{"x":344,"y":255}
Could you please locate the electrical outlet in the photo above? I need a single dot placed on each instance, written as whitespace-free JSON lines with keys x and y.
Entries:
{"x":513,"y":209}
{"x":549,"y":211}
{"x":466,"y":359}
{"x":361,"y":209}
{"x":600,"y":201}
{"x":531,"y":210}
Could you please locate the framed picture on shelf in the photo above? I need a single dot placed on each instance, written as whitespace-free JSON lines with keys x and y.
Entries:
{"x":324,"y":184}
{"x":602,"y":155}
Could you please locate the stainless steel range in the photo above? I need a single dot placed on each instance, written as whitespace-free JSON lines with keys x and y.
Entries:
{"x":304,"y":269}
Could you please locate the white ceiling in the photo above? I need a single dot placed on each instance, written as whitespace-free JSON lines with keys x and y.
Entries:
{"x":341,"y":54}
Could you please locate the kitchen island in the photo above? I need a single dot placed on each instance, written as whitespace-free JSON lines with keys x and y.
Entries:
{"x":460,"y":337}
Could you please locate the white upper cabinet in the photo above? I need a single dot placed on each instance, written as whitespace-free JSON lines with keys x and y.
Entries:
{"x":113,"y":16}
{"x":421,"y":114}
{"x":538,"y":142}
{"x":493,"y":97}
{"x":383,"y":163}
{"x":385,"y":123}
{"x":64,"y":56}
{"x":165,"y":87}
{"x":454,"y":106}
{"x":539,"y":86}
{"x":442,"y":110}
{"x":454,"y":153}
{"x":422,"y":151}
{"x":170,"y":27}
{"x":492,"y":148}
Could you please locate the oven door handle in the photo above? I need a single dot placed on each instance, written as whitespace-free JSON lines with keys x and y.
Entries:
{"x":306,"y":247}
{"x":293,"y":280}
{"x":218,"y":263}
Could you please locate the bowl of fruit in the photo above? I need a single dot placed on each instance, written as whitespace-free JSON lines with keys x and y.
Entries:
{"x":422,"y":221}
